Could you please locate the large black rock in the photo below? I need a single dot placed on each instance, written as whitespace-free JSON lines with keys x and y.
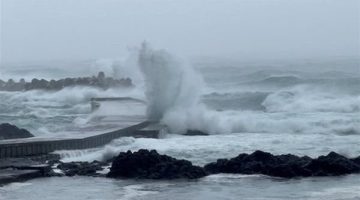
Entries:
{"x":8,"y":131}
{"x":287,"y":166}
{"x":356,"y":160}
{"x":145,"y":164}
{"x":332,"y":164}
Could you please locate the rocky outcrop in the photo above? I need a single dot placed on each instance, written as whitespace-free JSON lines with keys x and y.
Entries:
{"x":21,"y":169}
{"x":100,"y":81}
{"x":332,"y":164}
{"x":81,"y":168}
{"x":287,"y":166}
{"x":8,"y":131}
{"x":356,"y":160}
{"x":145,"y":164}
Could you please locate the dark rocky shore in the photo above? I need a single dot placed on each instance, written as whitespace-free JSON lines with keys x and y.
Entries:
{"x":100,"y":81}
{"x":82,"y":168}
{"x":146,"y":164}
{"x":286,"y":166}
{"x":149,"y":164}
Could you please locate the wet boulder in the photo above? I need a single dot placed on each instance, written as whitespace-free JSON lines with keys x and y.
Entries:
{"x":259,"y":162}
{"x":332,"y":164}
{"x":33,"y":85}
{"x":145,"y":164}
{"x":10,"y":85}
{"x":81,"y":168}
{"x":8,"y":131}
{"x":54,"y":85}
{"x":287,"y":166}
{"x":68,"y":82}
{"x":356,"y":160}
{"x":43,"y":84}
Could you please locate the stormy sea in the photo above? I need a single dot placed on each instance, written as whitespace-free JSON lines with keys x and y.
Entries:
{"x":276,"y":106}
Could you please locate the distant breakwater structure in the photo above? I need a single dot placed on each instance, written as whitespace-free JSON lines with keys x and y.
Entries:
{"x":99,"y":81}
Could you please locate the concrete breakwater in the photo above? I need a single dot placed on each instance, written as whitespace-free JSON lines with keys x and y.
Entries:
{"x":39,"y":146}
{"x":99,"y":81}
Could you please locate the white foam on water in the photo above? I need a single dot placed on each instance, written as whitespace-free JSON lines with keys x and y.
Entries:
{"x":204,"y":149}
{"x":307,"y":98}
{"x":51,"y":112}
{"x":14,"y":186}
{"x":335,"y":193}
{"x":100,"y":154}
{"x":136,"y":191}
{"x":173,"y":90}
{"x":229,"y":178}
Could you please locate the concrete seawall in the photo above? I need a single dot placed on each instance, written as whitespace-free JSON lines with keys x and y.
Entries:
{"x":23,"y":147}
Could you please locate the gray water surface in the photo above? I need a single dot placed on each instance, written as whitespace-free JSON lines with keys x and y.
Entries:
{"x":215,"y":187}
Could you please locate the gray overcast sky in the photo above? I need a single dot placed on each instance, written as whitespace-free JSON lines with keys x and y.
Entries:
{"x":82,"y":29}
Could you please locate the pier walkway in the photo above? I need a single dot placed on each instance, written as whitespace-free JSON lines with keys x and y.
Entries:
{"x":134,"y":127}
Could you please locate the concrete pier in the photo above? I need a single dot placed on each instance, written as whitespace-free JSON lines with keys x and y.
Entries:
{"x":38,"y":146}
{"x":132,"y":124}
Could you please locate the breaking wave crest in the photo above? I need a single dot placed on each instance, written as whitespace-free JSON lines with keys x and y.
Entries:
{"x":174,"y":93}
{"x":307,"y":98}
{"x":169,"y":83}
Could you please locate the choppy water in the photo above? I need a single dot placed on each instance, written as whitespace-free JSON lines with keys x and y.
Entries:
{"x":248,"y":107}
{"x":209,"y":188}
